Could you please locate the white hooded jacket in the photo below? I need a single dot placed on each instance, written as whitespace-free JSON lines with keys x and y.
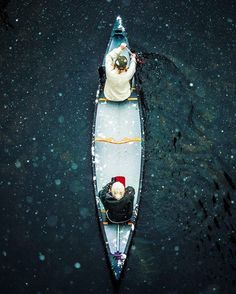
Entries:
{"x":117,"y":86}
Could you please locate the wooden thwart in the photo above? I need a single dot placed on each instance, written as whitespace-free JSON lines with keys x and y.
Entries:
{"x":107,"y":223}
{"x":113,"y":141}
{"x":107,"y":100}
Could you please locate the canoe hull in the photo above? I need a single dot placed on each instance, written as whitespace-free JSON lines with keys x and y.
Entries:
{"x":117,"y":150}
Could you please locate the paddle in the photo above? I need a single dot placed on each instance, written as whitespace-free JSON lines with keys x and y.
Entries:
{"x":139,"y":57}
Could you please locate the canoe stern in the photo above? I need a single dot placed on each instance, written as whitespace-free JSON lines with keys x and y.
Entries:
{"x":117,"y":260}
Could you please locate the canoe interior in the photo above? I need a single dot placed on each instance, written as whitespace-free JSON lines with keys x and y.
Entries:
{"x":118,"y":120}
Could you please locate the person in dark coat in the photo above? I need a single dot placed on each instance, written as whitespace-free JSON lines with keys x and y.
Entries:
{"x":118,"y":201}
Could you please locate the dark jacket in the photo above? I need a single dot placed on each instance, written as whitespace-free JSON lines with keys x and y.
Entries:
{"x":118,"y":210}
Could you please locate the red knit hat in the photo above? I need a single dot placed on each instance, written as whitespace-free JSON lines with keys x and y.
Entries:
{"x":120,"y":179}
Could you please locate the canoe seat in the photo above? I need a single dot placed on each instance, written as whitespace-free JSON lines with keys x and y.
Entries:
{"x":113,"y":222}
{"x":106,"y":221}
{"x":104,"y":217}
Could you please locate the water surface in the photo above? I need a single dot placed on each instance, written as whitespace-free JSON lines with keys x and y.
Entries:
{"x":185,"y":239}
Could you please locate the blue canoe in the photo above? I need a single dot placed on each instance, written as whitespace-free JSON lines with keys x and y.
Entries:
{"x":117,"y":150}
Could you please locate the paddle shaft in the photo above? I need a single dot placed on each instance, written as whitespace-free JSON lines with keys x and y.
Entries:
{"x":128,"y":50}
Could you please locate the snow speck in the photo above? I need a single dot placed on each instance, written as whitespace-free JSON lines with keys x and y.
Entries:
{"x":58,"y":182}
{"x":61,"y":119}
{"x":191,"y":84}
{"x":176,"y":248}
{"x":84,"y":212}
{"x":75,"y":186}
{"x":29,"y":199}
{"x":35,"y":164}
{"x":41,"y":256}
{"x":60,"y":94}
{"x":52,"y":220}
{"x":77,"y":265}
{"x":74,"y":165}
{"x":4,"y":253}
{"x":18,"y":163}
{"x":126,"y":2}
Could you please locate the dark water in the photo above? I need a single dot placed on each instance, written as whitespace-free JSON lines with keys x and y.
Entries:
{"x":185,"y":240}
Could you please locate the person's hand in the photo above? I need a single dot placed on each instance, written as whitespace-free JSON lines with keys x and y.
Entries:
{"x":123,"y":46}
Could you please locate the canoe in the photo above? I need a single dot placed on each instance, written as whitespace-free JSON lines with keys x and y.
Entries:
{"x":117,"y":150}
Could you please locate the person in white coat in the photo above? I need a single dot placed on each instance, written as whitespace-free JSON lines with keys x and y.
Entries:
{"x":118,"y":74}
